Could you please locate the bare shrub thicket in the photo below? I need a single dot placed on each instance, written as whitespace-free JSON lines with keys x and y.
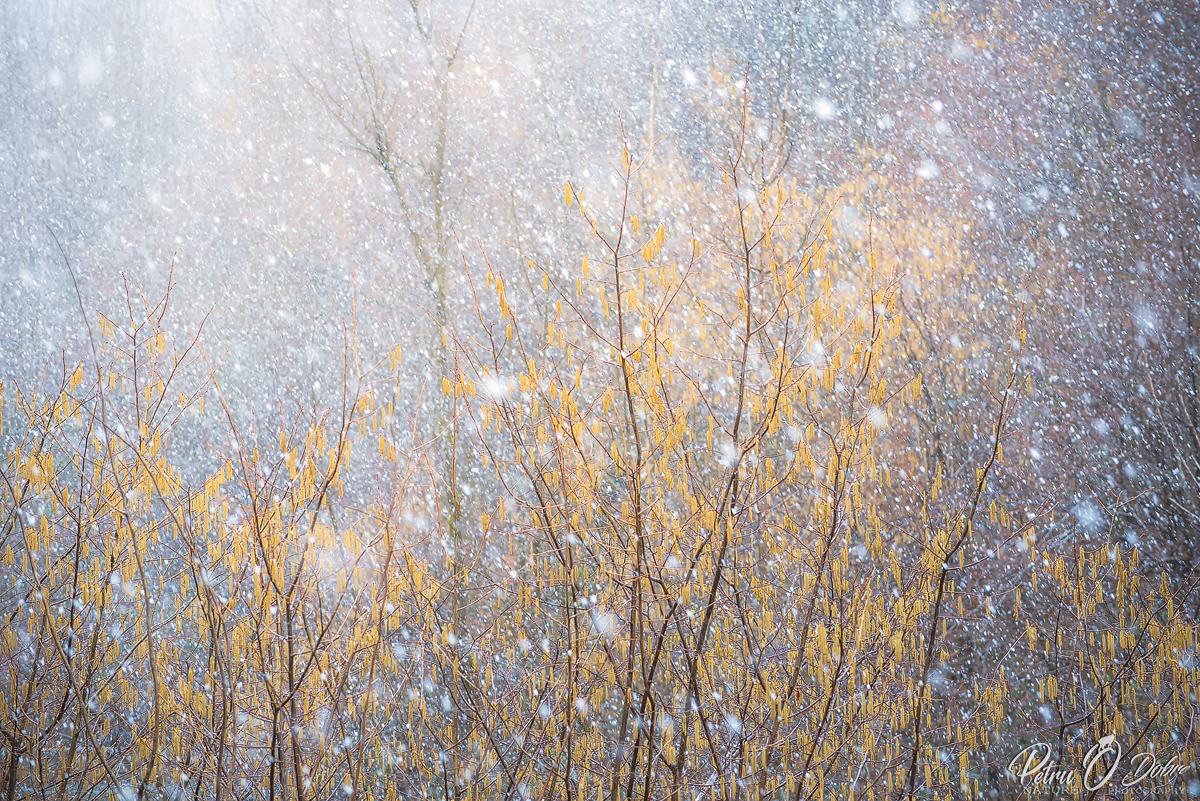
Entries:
{"x":730,"y":525}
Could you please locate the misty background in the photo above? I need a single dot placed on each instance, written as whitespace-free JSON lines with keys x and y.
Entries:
{"x":301,"y":165}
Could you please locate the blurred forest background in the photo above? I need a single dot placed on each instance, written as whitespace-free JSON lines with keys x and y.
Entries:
{"x":862,"y":230}
{"x":1055,"y":141}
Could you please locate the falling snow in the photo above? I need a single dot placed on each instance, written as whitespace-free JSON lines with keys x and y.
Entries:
{"x":495,"y":399}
